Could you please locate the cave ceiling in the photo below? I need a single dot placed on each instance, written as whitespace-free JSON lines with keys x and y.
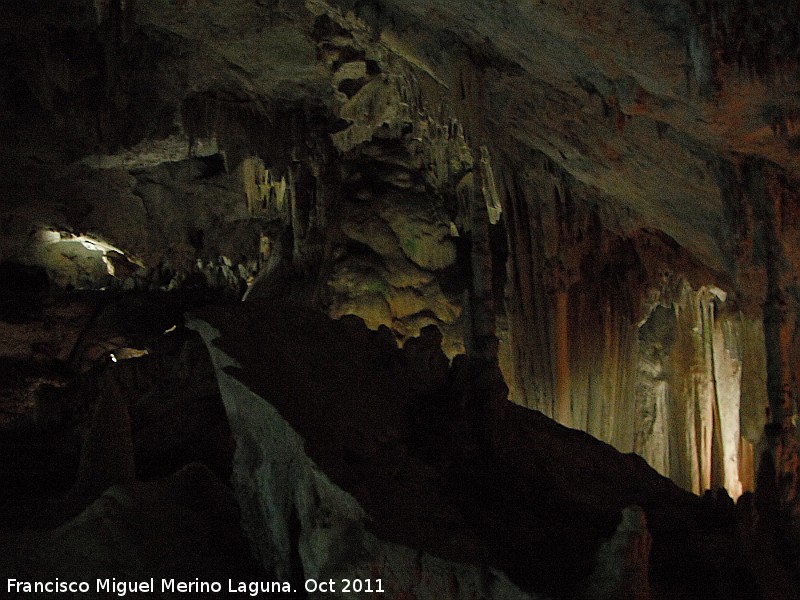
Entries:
{"x":641,"y":102}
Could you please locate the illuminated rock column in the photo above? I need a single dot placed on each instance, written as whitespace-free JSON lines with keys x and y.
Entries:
{"x":727,"y":381}
{"x":694,"y":423}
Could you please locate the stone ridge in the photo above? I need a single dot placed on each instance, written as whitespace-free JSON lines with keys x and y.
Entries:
{"x":392,"y":431}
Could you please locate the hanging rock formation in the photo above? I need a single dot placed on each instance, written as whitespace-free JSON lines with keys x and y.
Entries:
{"x":594,"y":204}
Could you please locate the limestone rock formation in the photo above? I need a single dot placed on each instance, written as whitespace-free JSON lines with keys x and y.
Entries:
{"x":594,"y":204}
{"x":333,"y":481}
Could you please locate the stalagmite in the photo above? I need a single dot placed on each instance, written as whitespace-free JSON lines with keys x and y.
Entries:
{"x":563,"y":410}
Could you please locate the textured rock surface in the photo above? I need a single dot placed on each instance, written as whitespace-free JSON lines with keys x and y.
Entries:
{"x":630,"y":338}
{"x":94,"y":481}
{"x":600,"y":197}
{"x":302,"y":524}
{"x":328,"y":151}
{"x":349,"y":470}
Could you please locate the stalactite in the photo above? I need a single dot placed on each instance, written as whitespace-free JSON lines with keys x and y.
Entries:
{"x":604,"y":339}
{"x":479,"y":194}
{"x":655,"y":338}
{"x":563,"y":409}
{"x":489,"y":187}
{"x":267,"y":195}
{"x":528,"y":305}
{"x":118,"y":67}
{"x":727,"y":357}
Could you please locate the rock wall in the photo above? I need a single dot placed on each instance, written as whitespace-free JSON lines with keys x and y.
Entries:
{"x":384,"y":450}
{"x":303,"y":526}
{"x":612,"y":329}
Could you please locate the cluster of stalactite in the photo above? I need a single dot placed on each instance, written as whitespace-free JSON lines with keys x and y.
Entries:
{"x":605,"y":334}
{"x":289,"y":183}
{"x":690,"y":390}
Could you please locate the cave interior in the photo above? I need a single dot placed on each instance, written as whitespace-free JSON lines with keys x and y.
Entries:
{"x":464,"y":300}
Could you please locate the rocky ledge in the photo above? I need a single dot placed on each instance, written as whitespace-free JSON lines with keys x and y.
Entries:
{"x":355,"y":459}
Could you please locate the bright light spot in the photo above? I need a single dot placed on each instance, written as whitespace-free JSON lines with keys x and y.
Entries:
{"x":113,"y":358}
{"x":171,"y":329}
{"x":47,"y":236}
